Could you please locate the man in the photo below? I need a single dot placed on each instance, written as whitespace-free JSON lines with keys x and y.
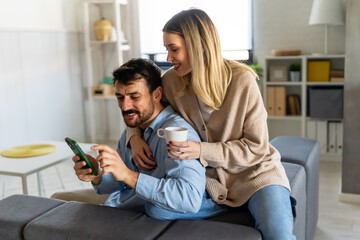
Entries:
{"x":175,"y":188}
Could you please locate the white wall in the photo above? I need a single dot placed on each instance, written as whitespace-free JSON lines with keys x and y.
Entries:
{"x":283,"y":24}
{"x":40,"y":72}
{"x":351,"y":151}
{"x":41,"y":15}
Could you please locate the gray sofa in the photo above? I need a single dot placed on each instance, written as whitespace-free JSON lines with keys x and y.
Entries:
{"x":30,"y":217}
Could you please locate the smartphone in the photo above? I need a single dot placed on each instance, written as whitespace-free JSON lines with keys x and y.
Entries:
{"x":79,"y":152}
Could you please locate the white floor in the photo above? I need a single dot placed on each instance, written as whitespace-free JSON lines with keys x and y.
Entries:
{"x":337,"y":220}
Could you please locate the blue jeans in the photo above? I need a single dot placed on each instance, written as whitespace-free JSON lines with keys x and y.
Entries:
{"x":208,"y":208}
{"x":271,"y":209}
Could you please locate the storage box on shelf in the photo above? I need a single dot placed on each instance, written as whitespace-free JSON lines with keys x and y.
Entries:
{"x":109,"y":42}
{"x":313,"y":106}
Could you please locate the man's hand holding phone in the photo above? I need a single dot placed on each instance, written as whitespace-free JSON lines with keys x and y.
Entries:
{"x":111,"y":162}
{"x":86,"y":174}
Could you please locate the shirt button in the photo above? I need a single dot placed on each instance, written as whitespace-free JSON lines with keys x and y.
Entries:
{"x":221,"y":198}
{"x":203,"y":127}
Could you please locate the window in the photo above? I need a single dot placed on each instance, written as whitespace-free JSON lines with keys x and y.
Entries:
{"x":232,"y":18}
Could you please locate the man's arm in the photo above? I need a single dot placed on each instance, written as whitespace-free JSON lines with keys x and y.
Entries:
{"x":181,"y":188}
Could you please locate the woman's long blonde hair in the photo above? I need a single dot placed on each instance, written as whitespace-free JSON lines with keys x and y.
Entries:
{"x":210,"y":73}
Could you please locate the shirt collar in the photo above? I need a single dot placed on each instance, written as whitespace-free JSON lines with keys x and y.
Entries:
{"x":159,"y":120}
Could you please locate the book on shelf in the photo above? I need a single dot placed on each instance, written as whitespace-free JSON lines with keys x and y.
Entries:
{"x":280,"y":101}
{"x":337,"y":76}
{"x":276,"y":101}
{"x":337,"y":79}
{"x":293,"y":104}
{"x":329,"y":134}
{"x":332,"y":131}
{"x":270,"y":101}
{"x":339,"y":137}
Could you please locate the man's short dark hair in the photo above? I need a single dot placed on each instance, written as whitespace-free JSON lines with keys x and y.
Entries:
{"x":136,"y":69}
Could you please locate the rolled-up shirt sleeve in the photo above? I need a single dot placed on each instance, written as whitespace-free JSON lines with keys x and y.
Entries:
{"x":108,"y":185}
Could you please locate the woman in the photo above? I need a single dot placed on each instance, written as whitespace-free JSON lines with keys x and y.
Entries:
{"x":221,"y":100}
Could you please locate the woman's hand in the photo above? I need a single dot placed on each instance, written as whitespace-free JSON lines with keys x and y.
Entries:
{"x":141,"y":153}
{"x":184,"y":150}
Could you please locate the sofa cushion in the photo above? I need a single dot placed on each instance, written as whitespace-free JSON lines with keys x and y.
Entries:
{"x":75,"y":220}
{"x":201,"y":229}
{"x":297,"y":179}
{"x":18,"y":210}
{"x":240,"y":215}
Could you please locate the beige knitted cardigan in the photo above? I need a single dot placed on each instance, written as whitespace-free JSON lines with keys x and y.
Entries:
{"x":235,"y":147}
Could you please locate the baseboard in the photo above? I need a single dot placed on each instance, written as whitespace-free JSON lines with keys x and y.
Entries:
{"x":349,"y":198}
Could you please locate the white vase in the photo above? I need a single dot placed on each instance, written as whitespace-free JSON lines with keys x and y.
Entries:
{"x":294,"y":76}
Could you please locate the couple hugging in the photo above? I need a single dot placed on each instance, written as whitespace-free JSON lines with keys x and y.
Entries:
{"x":225,"y":162}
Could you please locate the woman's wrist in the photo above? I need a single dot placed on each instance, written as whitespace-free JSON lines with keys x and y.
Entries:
{"x":133,"y":138}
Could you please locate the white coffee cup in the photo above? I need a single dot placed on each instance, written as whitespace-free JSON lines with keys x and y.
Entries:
{"x":178,"y":134}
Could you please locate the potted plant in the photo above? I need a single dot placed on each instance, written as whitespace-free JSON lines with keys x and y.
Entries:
{"x":257,"y":68}
{"x":295,"y":72}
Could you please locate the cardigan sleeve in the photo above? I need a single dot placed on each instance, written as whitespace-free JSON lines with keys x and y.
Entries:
{"x":252,"y":147}
{"x":131,"y":132}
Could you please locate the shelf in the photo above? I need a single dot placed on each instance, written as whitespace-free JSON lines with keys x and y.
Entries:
{"x":102,"y":42}
{"x":279,"y":58}
{"x":122,"y":2}
{"x":325,"y":83}
{"x":284,"y":118}
{"x":325,"y":119}
{"x":327,"y":131}
{"x":286,"y":124}
{"x":103,"y":97}
{"x":323,"y":56}
{"x":102,"y":57}
{"x":283,"y":83}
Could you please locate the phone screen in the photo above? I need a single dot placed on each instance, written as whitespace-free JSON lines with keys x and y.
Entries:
{"x":79,"y":152}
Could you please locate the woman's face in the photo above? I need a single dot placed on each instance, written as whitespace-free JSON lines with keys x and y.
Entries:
{"x":177,"y":53}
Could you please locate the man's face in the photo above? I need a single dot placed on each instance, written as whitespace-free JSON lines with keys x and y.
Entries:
{"x":136,"y":103}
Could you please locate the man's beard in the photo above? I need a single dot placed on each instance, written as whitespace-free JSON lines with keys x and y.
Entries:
{"x":142,"y":117}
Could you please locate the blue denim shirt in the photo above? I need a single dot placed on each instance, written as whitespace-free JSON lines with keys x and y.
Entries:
{"x":176,"y":185}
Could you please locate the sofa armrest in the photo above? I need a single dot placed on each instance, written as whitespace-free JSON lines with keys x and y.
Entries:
{"x":304,"y":152}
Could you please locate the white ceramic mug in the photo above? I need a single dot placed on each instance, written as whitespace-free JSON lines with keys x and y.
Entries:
{"x":178,"y":134}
